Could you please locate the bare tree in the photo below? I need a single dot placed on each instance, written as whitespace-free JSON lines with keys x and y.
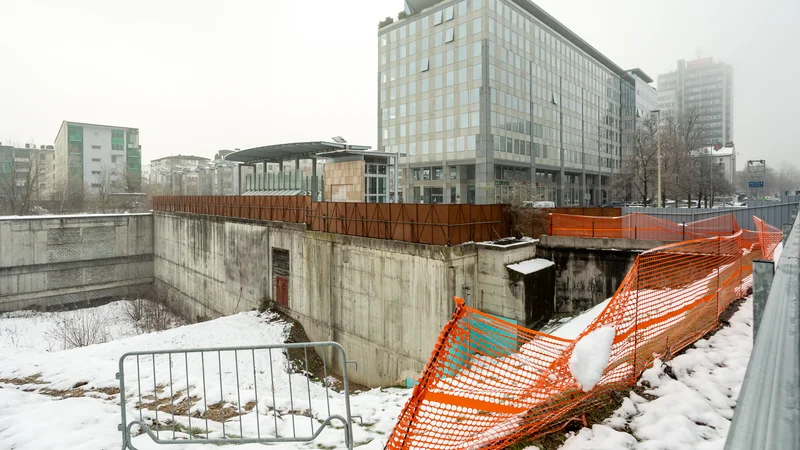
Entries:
{"x":518,"y":196}
{"x":787,"y":178}
{"x":683,"y":174}
{"x":111,"y":180}
{"x":638,"y":174}
{"x":20,"y":179}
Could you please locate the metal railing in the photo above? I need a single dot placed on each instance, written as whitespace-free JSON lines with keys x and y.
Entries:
{"x":233,"y":395}
{"x":418,"y":223}
{"x":768,"y":409}
{"x":775,"y":214}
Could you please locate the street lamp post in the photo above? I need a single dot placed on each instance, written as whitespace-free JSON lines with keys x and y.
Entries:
{"x":658,"y":132}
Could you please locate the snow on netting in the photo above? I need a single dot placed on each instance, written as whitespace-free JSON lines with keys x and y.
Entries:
{"x":640,"y":226}
{"x":489,"y":383}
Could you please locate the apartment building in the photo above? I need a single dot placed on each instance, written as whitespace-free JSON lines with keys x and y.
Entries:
{"x":90,"y":157}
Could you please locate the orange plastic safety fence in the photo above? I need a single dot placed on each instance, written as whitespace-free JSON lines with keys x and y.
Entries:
{"x":640,"y":226}
{"x":768,"y":237}
{"x":489,"y":383}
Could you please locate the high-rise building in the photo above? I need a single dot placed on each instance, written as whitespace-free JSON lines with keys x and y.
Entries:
{"x":90,"y":157}
{"x":480,"y":94}
{"x":703,"y":88}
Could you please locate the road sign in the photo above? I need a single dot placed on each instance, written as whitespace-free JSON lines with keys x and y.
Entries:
{"x":756,"y":184}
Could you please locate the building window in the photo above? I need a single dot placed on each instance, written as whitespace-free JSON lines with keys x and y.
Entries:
{"x":437,"y":17}
{"x":476,"y":25}
{"x":449,"y":13}
{"x":96,"y":160}
{"x":96,"y":147}
{"x":437,"y":173}
{"x":453,"y":173}
{"x":450,"y":35}
{"x":424,"y":65}
{"x":416,"y":174}
{"x":95,"y":172}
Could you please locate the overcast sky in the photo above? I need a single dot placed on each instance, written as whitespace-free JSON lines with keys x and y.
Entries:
{"x":196,"y":77}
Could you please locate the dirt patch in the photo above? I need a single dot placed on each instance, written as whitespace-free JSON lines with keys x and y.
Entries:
{"x":308,"y":361}
{"x":220,"y":412}
{"x":179,"y":406}
{"x":31,"y":379}
{"x":68,"y":393}
{"x":78,"y":390}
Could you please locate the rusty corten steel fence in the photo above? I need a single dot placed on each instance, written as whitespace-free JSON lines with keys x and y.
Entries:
{"x":418,"y":223}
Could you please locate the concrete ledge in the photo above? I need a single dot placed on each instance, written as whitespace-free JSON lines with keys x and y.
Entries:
{"x":222,"y":219}
{"x":570,"y":242}
{"x":52,"y":267}
{"x":60,"y":297}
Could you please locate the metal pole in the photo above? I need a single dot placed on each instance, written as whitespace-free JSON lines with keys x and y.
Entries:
{"x":658,"y":120}
{"x":396,"y":166}
{"x":239,"y":184}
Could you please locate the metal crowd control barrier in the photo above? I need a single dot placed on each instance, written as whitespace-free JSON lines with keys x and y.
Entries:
{"x":184,"y":406}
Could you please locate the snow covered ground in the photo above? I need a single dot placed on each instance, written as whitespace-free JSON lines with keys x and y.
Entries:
{"x":572,"y":327}
{"x":55,"y":397}
{"x":691,"y":398}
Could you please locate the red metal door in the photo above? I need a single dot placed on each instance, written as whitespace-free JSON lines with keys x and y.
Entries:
{"x":282,"y":291}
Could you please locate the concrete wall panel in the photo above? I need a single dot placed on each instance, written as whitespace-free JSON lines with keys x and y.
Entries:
{"x":48,"y":262}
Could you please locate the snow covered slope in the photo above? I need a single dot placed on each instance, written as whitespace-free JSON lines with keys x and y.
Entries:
{"x":55,"y":398}
{"x":692,"y":397}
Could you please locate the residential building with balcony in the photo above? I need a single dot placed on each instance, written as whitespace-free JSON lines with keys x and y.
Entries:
{"x":91,"y":157}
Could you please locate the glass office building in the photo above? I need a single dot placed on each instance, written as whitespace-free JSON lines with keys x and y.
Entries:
{"x":483,"y":94}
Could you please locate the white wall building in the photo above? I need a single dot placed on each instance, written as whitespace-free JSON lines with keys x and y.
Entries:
{"x":725,"y":160}
{"x":89,"y":157}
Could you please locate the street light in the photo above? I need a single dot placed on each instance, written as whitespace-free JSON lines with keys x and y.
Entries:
{"x":658,"y":133}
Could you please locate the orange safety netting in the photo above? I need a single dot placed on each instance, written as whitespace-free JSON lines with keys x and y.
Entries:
{"x":640,"y":226}
{"x":489,"y":383}
{"x":768,"y":237}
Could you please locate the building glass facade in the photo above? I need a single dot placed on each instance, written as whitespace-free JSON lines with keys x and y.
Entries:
{"x":492,"y":95}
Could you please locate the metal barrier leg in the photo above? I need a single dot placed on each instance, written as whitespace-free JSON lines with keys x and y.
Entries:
{"x":763,"y":273}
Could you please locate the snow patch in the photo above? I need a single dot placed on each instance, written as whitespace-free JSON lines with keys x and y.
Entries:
{"x":572,"y":327}
{"x":531,"y":265}
{"x":31,"y":419}
{"x":693,"y":404}
{"x":776,"y":255}
{"x":590,"y":357}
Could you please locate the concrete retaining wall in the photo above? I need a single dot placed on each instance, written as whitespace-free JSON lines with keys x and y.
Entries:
{"x":55,"y":261}
{"x":588,"y":271}
{"x":497,"y":293}
{"x":384,"y":301}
